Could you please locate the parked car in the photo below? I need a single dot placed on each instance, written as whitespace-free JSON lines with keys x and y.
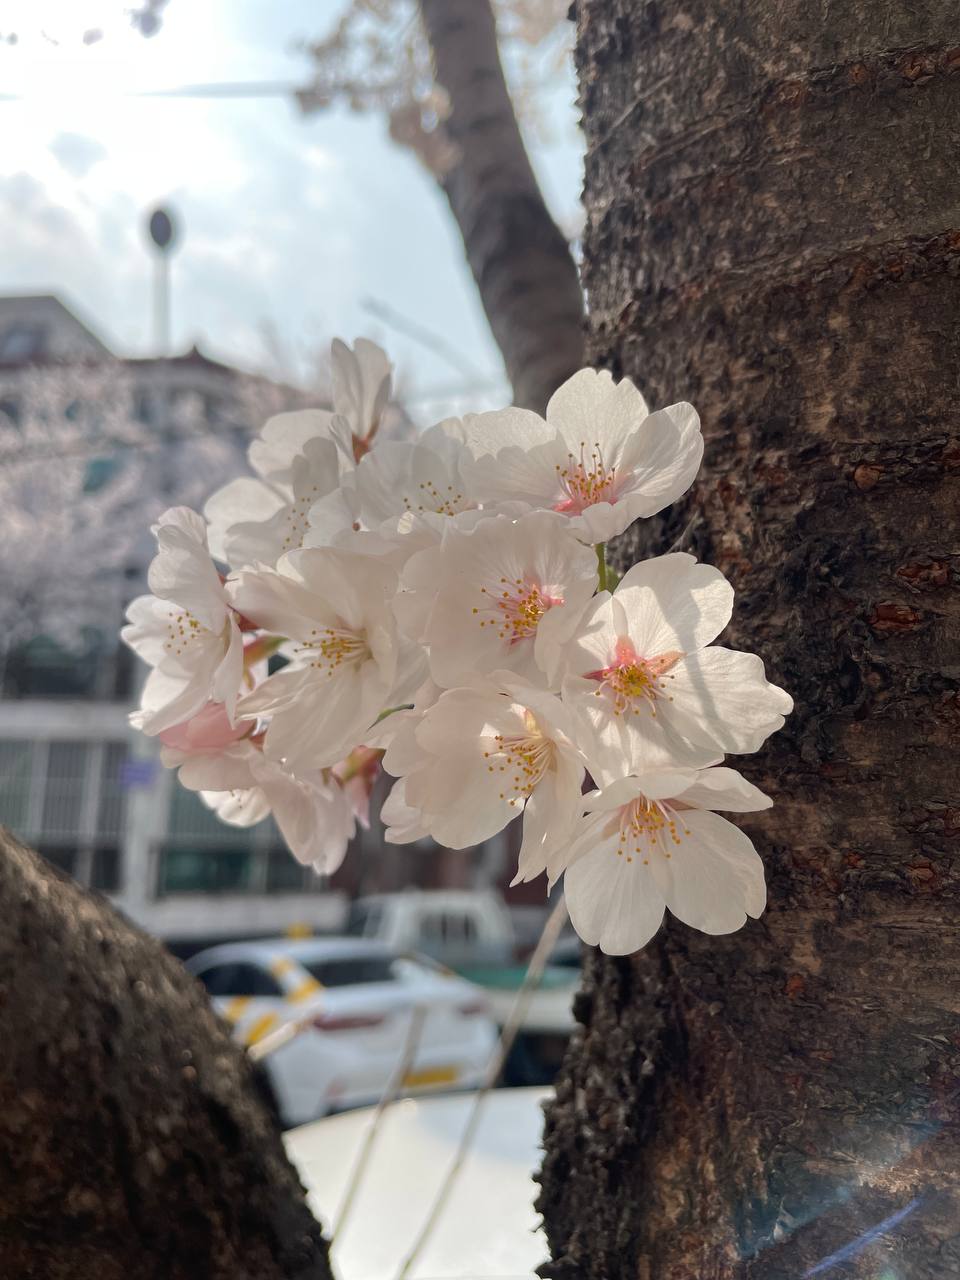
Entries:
{"x":355,"y":1000}
{"x":472,"y":932}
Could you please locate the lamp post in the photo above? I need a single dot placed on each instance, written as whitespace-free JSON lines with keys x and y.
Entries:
{"x":163,"y":232}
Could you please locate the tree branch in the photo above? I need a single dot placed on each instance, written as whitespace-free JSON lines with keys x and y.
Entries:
{"x":520,"y":260}
{"x":132,"y":1138}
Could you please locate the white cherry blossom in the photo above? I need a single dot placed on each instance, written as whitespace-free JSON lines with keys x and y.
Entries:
{"x":303,"y":461}
{"x":653,"y":842}
{"x":644,"y":688}
{"x":600,"y":458}
{"x":186,"y":630}
{"x":415,"y":478}
{"x":361,"y":391}
{"x":335,"y":606}
{"x":485,"y":754}
{"x":282,"y":439}
{"x":402,"y":824}
{"x":256,"y":522}
{"x":242,"y":786}
{"x":504,"y":594}
{"x":436,"y":603}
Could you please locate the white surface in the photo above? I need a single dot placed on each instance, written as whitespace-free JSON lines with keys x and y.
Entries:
{"x":488,"y":1229}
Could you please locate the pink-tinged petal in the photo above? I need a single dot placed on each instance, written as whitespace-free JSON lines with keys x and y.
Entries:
{"x":324,"y":723}
{"x":721,"y":698}
{"x":724,"y":789}
{"x":591,"y":409}
{"x":182,"y":570}
{"x":209,"y":730}
{"x":672,"y":603}
{"x":461,"y":717}
{"x":463,"y":800}
{"x":501,"y":580}
{"x":628,"y":742}
{"x":313,"y":816}
{"x":228,"y":677}
{"x":228,"y":771}
{"x":168,"y":698}
{"x":243,"y":499}
{"x":148,"y":632}
{"x":278,"y":603}
{"x":238,"y":808}
{"x":466,"y":637}
{"x":527,"y":475}
{"x":713,"y":879}
{"x":186,"y":524}
{"x":361,"y":384}
{"x":613,"y":903}
{"x":282,"y":438}
{"x":490,"y":433}
{"x":549,"y":819}
{"x":603,"y":521}
{"x":661,"y":459}
{"x":403,"y":823}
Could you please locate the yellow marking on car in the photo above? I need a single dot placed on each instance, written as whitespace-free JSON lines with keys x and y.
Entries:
{"x":430,"y":1075}
{"x":280,"y":966}
{"x":259,"y":1028}
{"x":235,"y":1007}
{"x":307,"y":988}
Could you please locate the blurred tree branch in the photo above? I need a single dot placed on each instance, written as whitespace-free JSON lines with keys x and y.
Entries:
{"x":435,"y":70}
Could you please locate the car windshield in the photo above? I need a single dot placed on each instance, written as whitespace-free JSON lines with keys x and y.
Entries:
{"x":347,"y":971}
{"x":364,"y":920}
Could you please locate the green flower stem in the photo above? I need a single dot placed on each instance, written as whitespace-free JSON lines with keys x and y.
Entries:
{"x":601,"y":550}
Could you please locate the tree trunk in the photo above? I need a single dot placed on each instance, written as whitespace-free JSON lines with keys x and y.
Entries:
{"x":132,"y":1139}
{"x":520,"y":260}
{"x":774,"y":234}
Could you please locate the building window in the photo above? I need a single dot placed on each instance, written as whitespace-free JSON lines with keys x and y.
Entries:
{"x":16,"y":769}
{"x":11,"y":410}
{"x":63,"y":796}
{"x":105,"y":869}
{"x":22,"y":342}
{"x":285,"y":874}
{"x":60,"y":856}
{"x":67,"y":798}
{"x":193,"y":869}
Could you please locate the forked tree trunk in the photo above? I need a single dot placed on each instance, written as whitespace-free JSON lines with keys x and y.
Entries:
{"x":521,"y":263}
{"x":133,"y":1144}
{"x":774,"y":233}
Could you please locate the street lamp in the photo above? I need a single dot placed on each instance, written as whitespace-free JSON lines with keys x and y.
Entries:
{"x":163,"y":232}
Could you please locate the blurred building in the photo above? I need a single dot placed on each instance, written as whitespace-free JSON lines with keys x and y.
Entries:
{"x":89,"y":793}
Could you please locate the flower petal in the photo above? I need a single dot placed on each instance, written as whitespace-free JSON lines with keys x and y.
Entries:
{"x":714,"y":877}
{"x":613,"y":903}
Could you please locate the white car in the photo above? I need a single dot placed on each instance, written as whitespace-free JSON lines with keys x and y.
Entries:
{"x":355,"y":1001}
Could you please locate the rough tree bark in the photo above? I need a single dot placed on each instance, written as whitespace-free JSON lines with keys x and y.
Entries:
{"x":132,"y":1140}
{"x":774,"y":233}
{"x":520,"y":260}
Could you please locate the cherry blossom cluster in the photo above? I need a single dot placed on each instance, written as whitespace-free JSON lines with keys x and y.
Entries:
{"x":441,"y":609}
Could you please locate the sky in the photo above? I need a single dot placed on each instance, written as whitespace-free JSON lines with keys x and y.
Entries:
{"x":288,"y":223}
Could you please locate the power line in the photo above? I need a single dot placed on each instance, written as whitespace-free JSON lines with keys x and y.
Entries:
{"x":221,"y":89}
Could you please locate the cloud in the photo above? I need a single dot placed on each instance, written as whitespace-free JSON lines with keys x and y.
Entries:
{"x":77,"y":153}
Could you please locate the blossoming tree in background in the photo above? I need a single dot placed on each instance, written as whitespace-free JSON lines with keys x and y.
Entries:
{"x":447,"y":602}
{"x":79,"y":468}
